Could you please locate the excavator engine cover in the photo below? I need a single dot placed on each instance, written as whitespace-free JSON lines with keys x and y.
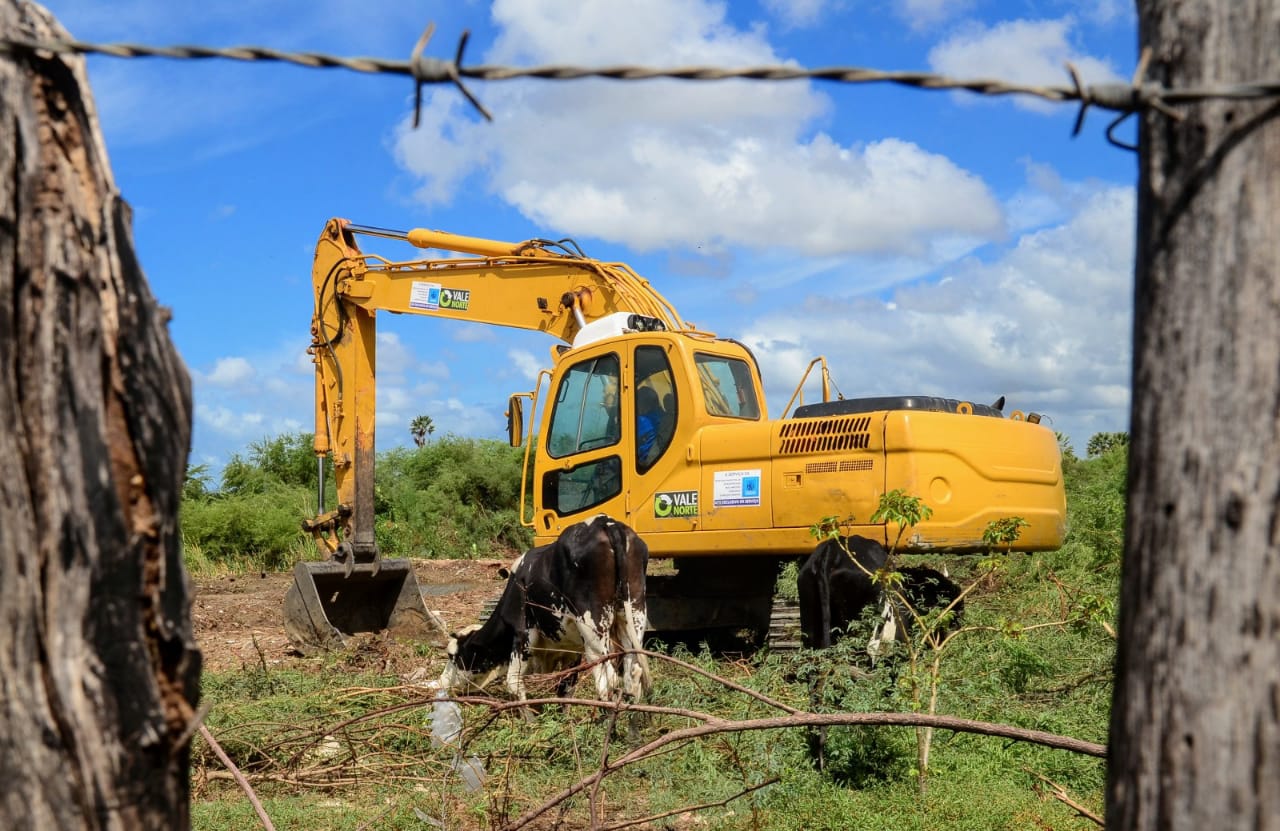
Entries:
{"x":330,"y":601}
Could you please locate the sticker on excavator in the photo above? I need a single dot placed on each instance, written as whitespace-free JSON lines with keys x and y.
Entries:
{"x":457,"y":299}
{"x":675,"y":504}
{"x":424,"y":296}
{"x":737,"y":488}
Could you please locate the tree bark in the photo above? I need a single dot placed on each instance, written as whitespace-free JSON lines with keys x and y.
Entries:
{"x":1195,"y":728}
{"x":98,"y":667}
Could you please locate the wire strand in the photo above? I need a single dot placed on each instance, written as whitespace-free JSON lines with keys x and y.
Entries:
{"x":1119,"y":97}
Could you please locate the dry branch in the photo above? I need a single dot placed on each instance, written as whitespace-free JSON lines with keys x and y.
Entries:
{"x":717,"y":726}
{"x":1060,"y":793}
{"x":631,"y":823}
{"x":239,"y":777}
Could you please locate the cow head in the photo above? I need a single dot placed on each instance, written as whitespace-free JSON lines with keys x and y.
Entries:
{"x":458,"y":678}
{"x":459,"y":638}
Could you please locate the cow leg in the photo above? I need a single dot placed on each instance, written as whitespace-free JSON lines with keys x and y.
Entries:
{"x":886,"y":631}
{"x":515,"y":675}
{"x":635,"y":666}
{"x":595,"y":646}
{"x":567,"y":682}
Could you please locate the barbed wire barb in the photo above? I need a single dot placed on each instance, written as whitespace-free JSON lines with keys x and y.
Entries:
{"x":425,"y":69}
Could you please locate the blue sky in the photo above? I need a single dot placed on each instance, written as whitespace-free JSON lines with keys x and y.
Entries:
{"x":925,"y":242}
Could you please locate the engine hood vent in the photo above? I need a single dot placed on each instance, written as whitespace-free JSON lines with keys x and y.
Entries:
{"x":803,"y":436}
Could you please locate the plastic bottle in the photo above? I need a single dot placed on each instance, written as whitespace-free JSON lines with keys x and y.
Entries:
{"x":446,"y":721}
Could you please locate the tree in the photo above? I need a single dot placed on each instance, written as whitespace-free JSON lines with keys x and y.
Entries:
{"x":99,"y":671}
{"x":1195,"y":730}
{"x":286,"y":459}
{"x":420,"y":428}
{"x":1101,"y":444}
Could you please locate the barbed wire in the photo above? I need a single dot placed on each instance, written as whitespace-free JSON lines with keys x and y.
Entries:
{"x":1118,"y":97}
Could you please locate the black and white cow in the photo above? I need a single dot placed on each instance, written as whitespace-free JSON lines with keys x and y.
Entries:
{"x":836,"y":587}
{"x":581,"y":596}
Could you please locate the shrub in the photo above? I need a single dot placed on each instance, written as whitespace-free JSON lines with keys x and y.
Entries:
{"x":287,"y":459}
{"x":261,"y":525}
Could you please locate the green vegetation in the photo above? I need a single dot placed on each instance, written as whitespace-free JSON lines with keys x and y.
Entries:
{"x":449,"y":498}
{"x":344,"y":744}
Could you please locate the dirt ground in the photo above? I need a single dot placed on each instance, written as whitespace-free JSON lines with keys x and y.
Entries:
{"x":238,"y":620}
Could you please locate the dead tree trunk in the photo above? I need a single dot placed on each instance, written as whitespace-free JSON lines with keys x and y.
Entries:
{"x":98,"y":667}
{"x":1195,"y":728}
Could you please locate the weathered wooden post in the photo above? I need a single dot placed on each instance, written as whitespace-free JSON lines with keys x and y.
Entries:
{"x":99,"y":672}
{"x":1195,"y":730}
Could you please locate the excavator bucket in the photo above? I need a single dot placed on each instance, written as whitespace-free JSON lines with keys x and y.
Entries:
{"x":330,"y":601}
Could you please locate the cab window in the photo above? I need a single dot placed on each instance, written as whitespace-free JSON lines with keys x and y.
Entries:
{"x":582,"y":487}
{"x":655,"y":410}
{"x":727,"y":388}
{"x":586,"y":414}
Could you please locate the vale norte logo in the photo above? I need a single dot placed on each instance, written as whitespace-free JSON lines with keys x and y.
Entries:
{"x":675,"y":504}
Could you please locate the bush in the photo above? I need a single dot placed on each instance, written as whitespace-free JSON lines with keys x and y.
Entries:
{"x":288,"y":459}
{"x":452,"y":498}
{"x":261,"y":525}
{"x":1096,"y":494}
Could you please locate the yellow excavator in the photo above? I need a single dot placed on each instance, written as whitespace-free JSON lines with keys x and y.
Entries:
{"x":652,"y":421}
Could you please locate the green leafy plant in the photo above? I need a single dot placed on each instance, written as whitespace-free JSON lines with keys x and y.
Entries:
{"x":1100,"y":444}
{"x":900,"y":508}
{"x":928,"y":631}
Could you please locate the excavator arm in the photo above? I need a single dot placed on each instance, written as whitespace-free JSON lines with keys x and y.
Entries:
{"x":537,"y":285}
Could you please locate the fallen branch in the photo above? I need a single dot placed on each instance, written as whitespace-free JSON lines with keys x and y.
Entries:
{"x":719,"y":680}
{"x":716,"y":726}
{"x":689,"y":809}
{"x":497,"y":705}
{"x":238,"y":776}
{"x":1060,"y":793}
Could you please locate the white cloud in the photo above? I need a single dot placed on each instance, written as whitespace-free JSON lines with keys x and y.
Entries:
{"x":474,"y":333}
{"x":1032,"y":52}
{"x":279,"y":398}
{"x":666,"y":164}
{"x":924,"y":13}
{"x":230,"y":372}
{"x":224,"y":420}
{"x":1105,"y":12}
{"x":525,"y":363}
{"x":393,"y":356}
{"x":1048,"y":324}
{"x":801,"y":14}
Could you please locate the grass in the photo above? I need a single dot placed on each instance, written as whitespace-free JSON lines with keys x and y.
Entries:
{"x":283,"y":728}
{"x":338,"y":747}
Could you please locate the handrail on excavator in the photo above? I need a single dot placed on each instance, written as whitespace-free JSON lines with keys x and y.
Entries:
{"x":799,"y":393}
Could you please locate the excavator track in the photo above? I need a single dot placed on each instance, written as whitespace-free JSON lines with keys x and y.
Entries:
{"x":784,"y":625}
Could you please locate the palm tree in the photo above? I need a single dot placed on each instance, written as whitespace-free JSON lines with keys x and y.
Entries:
{"x":420,"y":428}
